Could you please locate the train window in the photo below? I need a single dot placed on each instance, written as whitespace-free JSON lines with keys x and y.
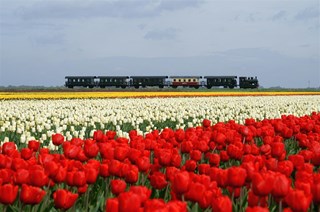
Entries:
{"x":194,"y":80}
{"x":179,"y":80}
{"x":174,"y":80}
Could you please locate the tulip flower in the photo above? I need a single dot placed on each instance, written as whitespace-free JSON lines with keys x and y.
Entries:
{"x":129,"y":201}
{"x":112,"y":204}
{"x":118,"y":186}
{"x":158,"y":180}
{"x":31,"y":195}
{"x":57,"y":139}
{"x":298,"y":200}
{"x":236,"y":176}
{"x":281,"y":186}
{"x":8,"y":193}
{"x":34,"y":145}
{"x":181,"y":182}
{"x":221,"y":204}
{"x":64,"y":199}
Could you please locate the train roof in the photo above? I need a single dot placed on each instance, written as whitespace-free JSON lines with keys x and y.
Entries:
{"x":220,"y":76}
{"x":149,"y":76}
{"x":185,"y":76}
{"x":80,"y":77}
{"x":113,"y":76}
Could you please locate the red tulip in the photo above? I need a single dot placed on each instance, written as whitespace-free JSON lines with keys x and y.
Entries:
{"x":175,"y":205}
{"x":98,"y":135}
{"x":34,"y":145}
{"x":57,"y":139}
{"x":222,"y":177}
{"x":204,"y":168}
{"x":21,"y":177}
{"x":277,"y":149}
{"x":214,"y":159}
{"x":5,"y":161}
{"x":8,"y":194}
{"x":206,"y":123}
{"x":297,"y":161}
{"x":158,"y":180}
{"x":26,"y":153}
{"x":91,"y":175}
{"x":31,"y":195}
{"x":7,"y":147}
{"x":195,"y":192}
{"x":262,"y":184}
{"x":18,"y":163}
{"x":181,"y":182}
{"x":195,"y":155}
{"x":143,"y":164}
{"x":83,"y":189}
{"x":257,"y":209}
{"x":104,"y":170}
{"x":64,"y":199}
{"x":112,"y":204}
{"x":220,"y":138}
{"x":118,"y":186}
{"x":132,"y":176}
{"x":129,"y":201}
{"x":61,"y":175}
{"x":254,"y":200}
{"x":234,"y":152}
{"x":143,"y":192}
{"x":281,"y":186}
{"x":165,"y":156}
{"x":236,"y":176}
{"x":154,"y":205}
{"x":79,"y":178}
{"x":121,"y":153}
{"x":191,"y":165}
{"x":38,"y":178}
{"x":186,"y":146}
{"x":221,"y":204}
{"x":316,"y":192}
{"x":115,"y":167}
{"x":91,"y":149}
{"x":298,"y":200}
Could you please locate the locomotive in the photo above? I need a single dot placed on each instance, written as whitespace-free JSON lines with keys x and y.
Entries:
{"x":161,"y":81}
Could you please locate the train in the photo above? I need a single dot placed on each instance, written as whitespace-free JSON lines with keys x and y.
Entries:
{"x":161,"y":81}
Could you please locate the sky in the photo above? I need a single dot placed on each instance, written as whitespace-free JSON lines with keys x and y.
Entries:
{"x":42,"y":41}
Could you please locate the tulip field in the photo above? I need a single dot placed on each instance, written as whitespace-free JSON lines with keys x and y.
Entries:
{"x":231,"y":153}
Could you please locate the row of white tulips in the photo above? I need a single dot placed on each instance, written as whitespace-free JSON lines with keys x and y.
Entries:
{"x":39,"y":119}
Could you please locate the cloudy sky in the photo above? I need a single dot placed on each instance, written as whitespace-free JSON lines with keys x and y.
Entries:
{"x":41,"y":41}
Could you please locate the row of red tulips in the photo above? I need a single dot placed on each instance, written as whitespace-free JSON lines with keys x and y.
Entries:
{"x":260,"y":166}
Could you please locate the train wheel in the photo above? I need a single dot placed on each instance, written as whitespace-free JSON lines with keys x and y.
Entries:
{"x":136,"y":86}
{"x":123,"y":86}
{"x":161,"y":86}
{"x":209,"y":87}
{"x":196,"y":87}
{"x":102,"y":86}
{"x":231,"y":87}
{"x":174,"y":86}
